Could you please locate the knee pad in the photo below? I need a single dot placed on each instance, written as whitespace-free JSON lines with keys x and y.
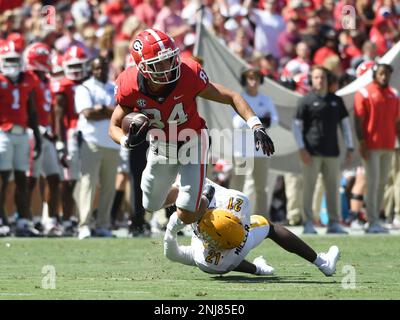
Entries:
{"x":258,"y":221}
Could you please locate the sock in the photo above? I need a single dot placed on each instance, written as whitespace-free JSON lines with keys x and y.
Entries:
{"x":319,"y":261}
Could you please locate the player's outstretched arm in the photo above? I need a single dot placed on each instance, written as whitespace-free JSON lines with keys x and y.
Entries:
{"x":219,"y":93}
{"x":172,"y":250}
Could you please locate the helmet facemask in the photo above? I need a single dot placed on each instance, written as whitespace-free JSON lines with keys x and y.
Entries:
{"x":10,"y":66}
{"x":163,"y":69}
{"x":75,"y":70}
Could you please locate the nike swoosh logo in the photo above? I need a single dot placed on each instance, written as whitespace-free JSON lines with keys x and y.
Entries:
{"x":176,"y":98}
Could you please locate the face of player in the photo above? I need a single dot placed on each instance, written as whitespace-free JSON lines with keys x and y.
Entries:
{"x":319,"y":80}
{"x":382,"y":76}
{"x":163,"y":71}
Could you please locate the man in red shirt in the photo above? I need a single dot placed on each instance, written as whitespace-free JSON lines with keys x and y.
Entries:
{"x":75,"y":65}
{"x":377,"y":123}
{"x":17,"y":112}
{"x":164,"y":87}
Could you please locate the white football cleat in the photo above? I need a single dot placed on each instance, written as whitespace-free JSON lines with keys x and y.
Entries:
{"x":263,"y":269}
{"x":84,"y":232}
{"x":330,"y":258}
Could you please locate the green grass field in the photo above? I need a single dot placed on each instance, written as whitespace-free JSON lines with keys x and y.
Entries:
{"x":136,"y":269}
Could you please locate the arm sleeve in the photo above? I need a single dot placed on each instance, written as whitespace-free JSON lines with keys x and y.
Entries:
{"x":342,"y":109}
{"x":347,"y":134}
{"x":359,"y":105}
{"x":297,"y":128}
{"x":200,"y":77}
{"x":176,"y":253}
{"x":83,"y":99}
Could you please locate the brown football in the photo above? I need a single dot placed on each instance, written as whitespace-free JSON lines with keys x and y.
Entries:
{"x":138,"y":120}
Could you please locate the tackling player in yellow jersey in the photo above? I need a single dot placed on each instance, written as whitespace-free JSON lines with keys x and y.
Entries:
{"x":226,"y":234}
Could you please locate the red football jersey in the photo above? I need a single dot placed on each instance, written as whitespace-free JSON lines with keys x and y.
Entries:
{"x":14,"y":101}
{"x":67,"y":87}
{"x":177,"y":108}
{"x":44,"y":100}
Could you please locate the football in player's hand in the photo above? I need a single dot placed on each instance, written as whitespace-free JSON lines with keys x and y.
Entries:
{"x":139,"y":121}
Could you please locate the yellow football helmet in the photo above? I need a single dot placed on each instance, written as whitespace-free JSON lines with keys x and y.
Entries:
{"x":221,"y":229}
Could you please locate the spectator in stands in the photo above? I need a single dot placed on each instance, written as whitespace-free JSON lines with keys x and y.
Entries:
{"x":377,"y":124}
{"x":269,"y":24}
{"x":318,"y":116}
{"x":94,"y":101}
{"x":289,"y":38}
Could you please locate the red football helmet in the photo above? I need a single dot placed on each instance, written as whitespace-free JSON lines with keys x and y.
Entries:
{"x":37,"y":57}
{"x":18,"y":39}
{"x":156,"y":56}
{"x":364,"y":67}
{"x":75,"y":63}
{"x":10,"y":60}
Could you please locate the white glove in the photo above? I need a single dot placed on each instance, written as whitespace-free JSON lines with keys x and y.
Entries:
{"x":263,"y":268}
{"x":175,"y":224}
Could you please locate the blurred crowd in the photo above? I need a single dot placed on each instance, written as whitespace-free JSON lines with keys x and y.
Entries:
{"x":281,"y":38}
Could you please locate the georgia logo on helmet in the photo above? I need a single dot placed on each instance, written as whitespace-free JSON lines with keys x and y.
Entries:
{"x":37,"y":57}
{"x":75,"y":63}
{"x":10,"y":60}
{"x":220,"y":229}
{"x":156,"y":56}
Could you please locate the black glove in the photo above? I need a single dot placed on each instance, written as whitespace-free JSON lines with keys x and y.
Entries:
{"x":261,"y":138}
{"x":62,"y":154}
{"x":136,"y":135}
{"x":266,"y":121}
{"x":37,"y":149}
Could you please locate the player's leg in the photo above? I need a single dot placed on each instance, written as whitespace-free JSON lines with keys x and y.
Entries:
{"x":191,"y":202}
{"x":50,"y":169}
{"x":21,"y":166}
{"x":6,"y":156}
{"x":157,"y":179}
{"x":326,"y":262}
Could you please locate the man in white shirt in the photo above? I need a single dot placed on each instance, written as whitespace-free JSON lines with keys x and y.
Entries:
{"x":227,"y":233}
{"x":94,"y":101}
{"x":255,"y":179}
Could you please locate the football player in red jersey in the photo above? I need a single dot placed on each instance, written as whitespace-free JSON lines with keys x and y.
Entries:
{"x":75,"y":65}
{"x":38,"y":64}
{"x":17,"y":112}
{"x":164,"y":87}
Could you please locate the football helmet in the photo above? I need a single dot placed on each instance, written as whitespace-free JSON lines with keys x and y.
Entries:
{"x":220,"y":229}
{"x":37,"y":57}
{"x":10,"y":60}
{"x":156,"y":56}
{"x":75,"y":63}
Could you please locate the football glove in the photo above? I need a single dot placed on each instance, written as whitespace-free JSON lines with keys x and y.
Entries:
{"x":262,"y":139}
{"x":136,"y":136}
